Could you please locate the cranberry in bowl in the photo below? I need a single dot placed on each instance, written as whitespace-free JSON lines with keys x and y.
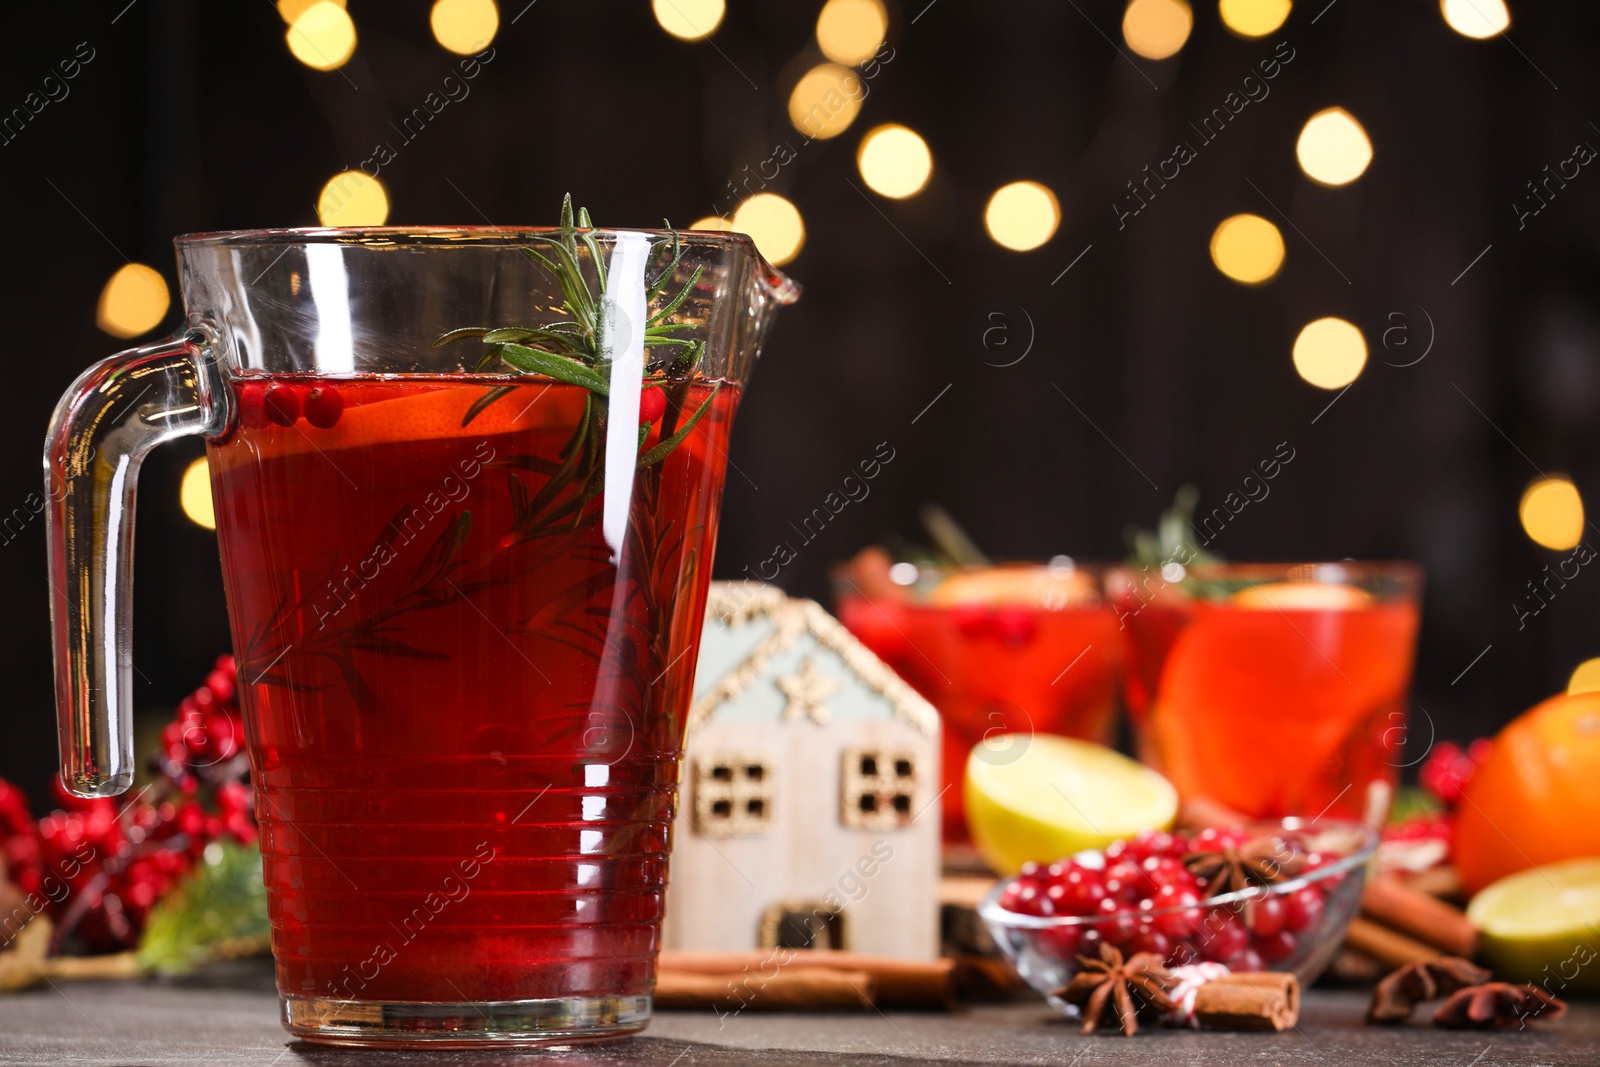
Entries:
{"x":1270,"y":896}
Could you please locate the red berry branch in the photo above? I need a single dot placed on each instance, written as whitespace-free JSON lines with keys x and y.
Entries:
{"x":96,"y":868}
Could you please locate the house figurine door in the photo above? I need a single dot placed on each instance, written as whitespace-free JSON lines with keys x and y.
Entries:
{"x":808,"y":811}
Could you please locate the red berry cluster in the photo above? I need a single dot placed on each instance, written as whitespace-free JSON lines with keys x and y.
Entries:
{"x":1448,"y":768}
{"x":285,"y":403}
{"x":1421,"y":829}
{"x":97,"y":867}
{"x":1145,"y":900}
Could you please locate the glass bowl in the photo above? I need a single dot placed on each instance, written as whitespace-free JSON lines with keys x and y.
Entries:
{"x":1293,"y":925}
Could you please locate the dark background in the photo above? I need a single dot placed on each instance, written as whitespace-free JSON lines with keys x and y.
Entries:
{"x":195,"y":117}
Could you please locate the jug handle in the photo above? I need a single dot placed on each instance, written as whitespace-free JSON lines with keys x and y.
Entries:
{"x":108,"y":420}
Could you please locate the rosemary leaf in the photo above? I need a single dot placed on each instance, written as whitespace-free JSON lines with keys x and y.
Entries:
{"x":455,"y":335}
{"x":485,"y":400}
{"x":683,"y":294}
{"x":519,"y":334}
{"x":538,"y":361}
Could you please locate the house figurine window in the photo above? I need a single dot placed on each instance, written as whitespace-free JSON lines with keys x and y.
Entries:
{"x":802,"y":924}
{"x":877,"y":789}
{"x":732,"y":795}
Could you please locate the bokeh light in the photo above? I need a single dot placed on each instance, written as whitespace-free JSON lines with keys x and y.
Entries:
{"x":1022,"y":216}
{"x":322,"y":36}
{"x":134,"y":301}
{"x":825,"y":100}
{"x":194,"y":495}
{"x":774,"y":224}
{"x":712,"y":222}
{"x":689,"y":20}
{"x":289,"y":10}
{"x":894,"y":161}
{"x":1329,"y":353}
{"x":1333,"y":148}
{"x":1476,"y":18}
{"x":1156,"y":29}
{"x":1253,"y":18}
{"x":464,"y":26}
{"x":1552,"y":512}
{"x":353,"y":198}
{"x":852,"y":31}
{"x":1585,"y":678}
{"x":1248,"y":249}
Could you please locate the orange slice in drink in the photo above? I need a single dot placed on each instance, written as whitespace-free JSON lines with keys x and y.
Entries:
{"x":1302,"y":596}
{"x":1020,"y":586}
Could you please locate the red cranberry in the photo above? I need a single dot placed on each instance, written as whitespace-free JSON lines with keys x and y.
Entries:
{"x":1163,"y":871}
{"x":1030,"y":901}
{"x":1303,"y":909}
{"x":1248,"y":960}
{"x":1222,"y":935}
{"x":1148,"y":939}
{"x":1061,"y":942}
{"x":1119,"y":924}
{"x":652,"y":405}
{"x":1016,"y":627}
{"x":1081,"y":892}
{"x":1265,"y":915}
{"x":1126,"y":881}
{"x":1177,"y":924}
{"x":324,"y":405}
{"x":1157,"y":843}
{"x":1213,"y":839}
{"x":221,"y":685}
{"x":972,"y":620}
{"x":252,"y":405}
{"x":1029,"y":872}
{"x":1280,"y":946}
{"x":283,"y":405}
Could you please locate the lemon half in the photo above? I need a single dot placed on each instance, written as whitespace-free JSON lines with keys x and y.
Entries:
{"x":1543,"y":925}
{"x":1058,"y":797}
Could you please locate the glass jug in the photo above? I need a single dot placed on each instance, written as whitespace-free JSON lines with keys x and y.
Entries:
{"x":466,"y":485}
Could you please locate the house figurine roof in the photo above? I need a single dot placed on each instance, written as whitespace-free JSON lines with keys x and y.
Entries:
{"x":763,"y":625}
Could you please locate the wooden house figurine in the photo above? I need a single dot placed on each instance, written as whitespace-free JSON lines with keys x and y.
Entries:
{"x":808,"y":808}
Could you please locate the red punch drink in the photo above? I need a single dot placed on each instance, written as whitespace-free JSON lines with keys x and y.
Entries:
{"x":463,"y":730}
{"x":1273,"y":690}
{"x":1015,"y":649}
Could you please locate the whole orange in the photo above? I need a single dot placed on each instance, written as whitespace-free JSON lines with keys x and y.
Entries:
{"x":1536,"y":799}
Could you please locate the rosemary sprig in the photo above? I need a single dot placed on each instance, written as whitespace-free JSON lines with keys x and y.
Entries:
{"x":572,"y":351}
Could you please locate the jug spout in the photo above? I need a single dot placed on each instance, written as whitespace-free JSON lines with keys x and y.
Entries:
{"x":766,"y":289}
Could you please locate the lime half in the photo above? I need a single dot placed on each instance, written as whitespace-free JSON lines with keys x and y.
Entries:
{"x":1056,"y":797}
{"x":1543,"y":925}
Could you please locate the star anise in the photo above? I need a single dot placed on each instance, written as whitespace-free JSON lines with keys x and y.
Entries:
{"x":1402,"y":990}
{"x":1259,"y":861}
{"x":1497,"y":1006}
{"x":1124,"y":988}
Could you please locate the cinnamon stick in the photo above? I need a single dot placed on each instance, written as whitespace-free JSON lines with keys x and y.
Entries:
{"x":900,"y":983}
{"x":1390,"y":902}
{"x":790,"y":989}
{"x":1248,"y":1000}
{"x":1437,"y":882}
{"x":1389,"y":948}
{"x":1200,"y":813}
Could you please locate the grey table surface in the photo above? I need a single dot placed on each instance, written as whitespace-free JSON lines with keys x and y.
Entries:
{"x":233,"y":1020}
